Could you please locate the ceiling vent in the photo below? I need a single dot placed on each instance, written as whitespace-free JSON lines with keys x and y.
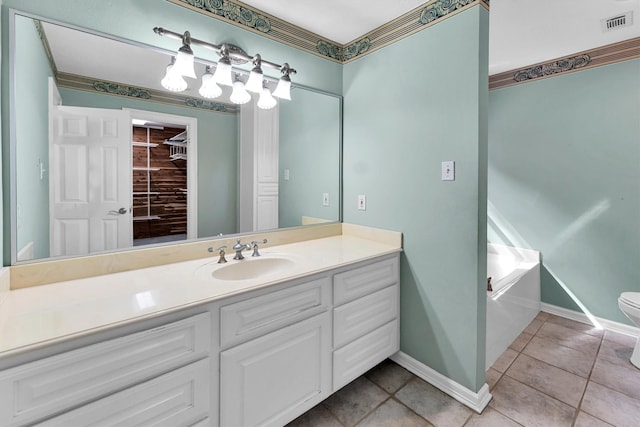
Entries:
{"x":618,"y":21}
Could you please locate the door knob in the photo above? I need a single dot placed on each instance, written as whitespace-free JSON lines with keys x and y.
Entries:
{"x":120,"y":211}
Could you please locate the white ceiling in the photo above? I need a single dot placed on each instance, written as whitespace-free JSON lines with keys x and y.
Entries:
{"x":522,"y":32}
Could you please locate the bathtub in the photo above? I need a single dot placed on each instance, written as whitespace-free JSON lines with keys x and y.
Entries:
{"x":515,"y":299}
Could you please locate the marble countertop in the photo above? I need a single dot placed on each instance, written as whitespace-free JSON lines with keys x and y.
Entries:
{"x":42,"y":315}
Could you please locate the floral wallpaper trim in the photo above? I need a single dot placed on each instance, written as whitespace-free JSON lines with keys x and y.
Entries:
{"x":276,"y":29}
{"x":604,"y":55}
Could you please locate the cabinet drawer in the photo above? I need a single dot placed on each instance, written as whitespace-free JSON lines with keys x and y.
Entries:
{"x":259,"y":315}
{"x":179,"y":398}
{"x":270,"y":380}
{"x":51,"y":385}
{"x":358,"y":357}
{"x":361,"y":281}
{"x":356,"y":318}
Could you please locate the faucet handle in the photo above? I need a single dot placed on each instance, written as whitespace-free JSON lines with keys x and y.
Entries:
{"x":222,"y":259}
{"x":255,"y":247}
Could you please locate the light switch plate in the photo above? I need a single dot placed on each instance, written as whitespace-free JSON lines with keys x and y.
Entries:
{"x":362,"y":202}
{"x":325,"y":199}
{"x":448,"y":170}
{"x":286,"y":174}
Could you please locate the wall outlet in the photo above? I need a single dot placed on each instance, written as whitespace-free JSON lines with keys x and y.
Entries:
{"x":362,"y":202}
{"x":286,"y":174}
{"x":448,"y":170}
{"x":325,"y":199}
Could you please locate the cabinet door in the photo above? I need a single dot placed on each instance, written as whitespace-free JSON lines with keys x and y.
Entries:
{"x":272,"y":379}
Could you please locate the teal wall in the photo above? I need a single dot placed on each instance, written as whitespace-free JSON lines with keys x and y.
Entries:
{"x":309,"y":130}
{"x":32,"y":127}
{"x":217,"y":155}
{"x":407,"y":108}
{"x":564,"y":178}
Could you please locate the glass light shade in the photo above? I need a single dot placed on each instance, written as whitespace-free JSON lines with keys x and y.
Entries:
{"x":254,"y":84}
{"x":209,"y":88}
{"x":239,"y":94}
{"x":223,"y":72}
{"x":173,"y":81}
{"x":184,"y":62}
{"x":266,"y":101}
{"x":283,"y":90}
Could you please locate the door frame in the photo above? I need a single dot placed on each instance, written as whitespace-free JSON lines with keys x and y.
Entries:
{"x":192,"y":159}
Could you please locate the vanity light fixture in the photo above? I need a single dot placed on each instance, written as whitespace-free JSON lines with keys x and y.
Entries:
{"x":229,"y":55}
{"x":239,"y":95}
{"x":283,"y":90}
{"x":254,"y":84}
{"x":173,"y":80}
{"x":209,"y":88}
{"x":266,"y":101}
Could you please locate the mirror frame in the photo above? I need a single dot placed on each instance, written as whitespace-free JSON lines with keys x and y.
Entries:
{"x":10,"y":248}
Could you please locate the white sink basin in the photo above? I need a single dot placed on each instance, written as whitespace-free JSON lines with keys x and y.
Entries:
{"x":249,"y":268}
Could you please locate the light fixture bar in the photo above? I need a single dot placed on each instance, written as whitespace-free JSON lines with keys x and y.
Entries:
{"x":236,"y":55}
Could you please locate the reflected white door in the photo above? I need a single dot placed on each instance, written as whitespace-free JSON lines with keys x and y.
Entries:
{"x":90,"y":197}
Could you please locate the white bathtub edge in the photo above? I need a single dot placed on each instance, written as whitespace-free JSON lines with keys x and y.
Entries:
{"x":476,"y":401}
{"x":607,"y":324}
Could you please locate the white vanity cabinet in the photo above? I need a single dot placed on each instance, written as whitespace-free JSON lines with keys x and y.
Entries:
{"x":160,"y":374}
{"x":365,"y":318}
{"x":280,"y":365}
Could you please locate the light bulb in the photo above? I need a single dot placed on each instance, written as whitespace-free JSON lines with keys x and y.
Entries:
{"x":223,"y":72}
{"x":209,"y":88}
{"x":173,"y":81}
{"x":239,"y":94}
{"x":266,"y":101}
{"x":283,"y":90}
{"x":184,"y":62}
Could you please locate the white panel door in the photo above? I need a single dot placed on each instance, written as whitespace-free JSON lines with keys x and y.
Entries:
{"x":90,"y":194}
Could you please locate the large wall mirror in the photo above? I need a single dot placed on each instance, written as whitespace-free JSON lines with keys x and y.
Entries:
{"x":103,"y":158}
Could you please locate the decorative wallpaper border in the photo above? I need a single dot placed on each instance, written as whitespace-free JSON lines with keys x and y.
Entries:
{"x":89,"y":84}
{"x":257,"y":21}
{"x":45,"y":46}
{"x":609,"y":54}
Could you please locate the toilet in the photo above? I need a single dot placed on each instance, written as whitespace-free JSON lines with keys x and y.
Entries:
{"x":629,"y":303}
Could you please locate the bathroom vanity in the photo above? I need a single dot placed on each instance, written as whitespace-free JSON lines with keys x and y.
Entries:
{"x":257,"y":350}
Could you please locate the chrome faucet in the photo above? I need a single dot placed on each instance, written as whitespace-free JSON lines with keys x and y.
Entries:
{"x":255,"y":247}
{"x":239,"y":247}
{"x":222,"y":259}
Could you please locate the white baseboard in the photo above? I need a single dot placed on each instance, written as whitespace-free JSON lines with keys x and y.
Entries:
{"x":476,"y":401}
{"x":578,"y":316}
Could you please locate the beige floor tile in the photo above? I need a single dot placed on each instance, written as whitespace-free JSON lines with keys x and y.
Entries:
{"x":528,"y":406}
{"x":355,"y":401}
{"x":389,"y":376}
{"x":619,"y":338}
{"x":586,"y":420}
{"x":490,"y":418}
{"x":319,"y":416}
{"x":555,"y":382}
{"x":533,"y":327}
{"x":505,"y":360}
{"x":616,"y":353}
{"x":578,"y":326}
{"x":521,"y":341}
{"x":393,"y":414}
{"x":617,"y":377}
{"x":570,"y":338}
{"x":543,"y":315}
{"x":610,"y":406}
{"x":492,"y":377}
{"x":560,"y":356}
{"x":433,"y":405}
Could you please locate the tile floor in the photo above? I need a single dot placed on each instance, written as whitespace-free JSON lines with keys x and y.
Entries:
{"x":556,"y":373}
